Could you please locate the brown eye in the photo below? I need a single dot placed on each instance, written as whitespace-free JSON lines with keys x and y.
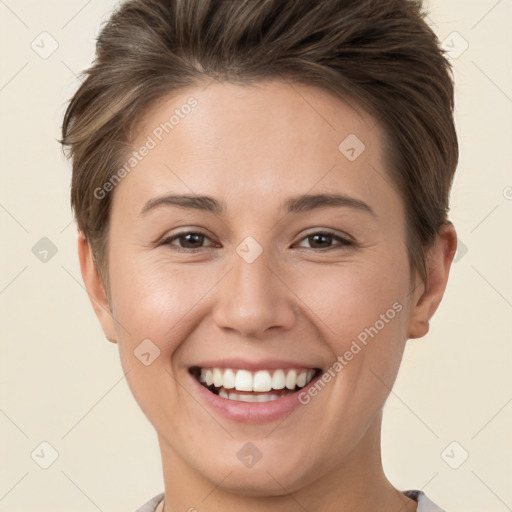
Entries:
{"x":322,"y":240}
{"x":190,"y":241}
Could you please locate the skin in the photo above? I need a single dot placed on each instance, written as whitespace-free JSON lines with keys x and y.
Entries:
{"x":252,"y":147}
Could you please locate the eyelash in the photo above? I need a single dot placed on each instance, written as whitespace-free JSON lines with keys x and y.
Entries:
{"x":168,"y":241}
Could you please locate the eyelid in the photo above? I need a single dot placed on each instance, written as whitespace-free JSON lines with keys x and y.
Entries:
{"x":344,"y":240}
{"x":329,"y":231}
{"x":167,"y":239}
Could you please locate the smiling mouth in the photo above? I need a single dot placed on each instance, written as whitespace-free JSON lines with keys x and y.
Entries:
{"x":260,"y":386}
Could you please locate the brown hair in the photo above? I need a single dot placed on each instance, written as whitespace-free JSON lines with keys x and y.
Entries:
{"x":379,"y":54}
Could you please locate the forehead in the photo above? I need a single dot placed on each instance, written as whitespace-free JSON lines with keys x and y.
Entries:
{"x":240,"y":141}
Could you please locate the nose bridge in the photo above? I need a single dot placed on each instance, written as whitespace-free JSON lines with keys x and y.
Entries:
{"x":253,"y":299}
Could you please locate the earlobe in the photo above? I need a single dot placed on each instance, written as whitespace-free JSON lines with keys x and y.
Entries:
{"x":431,"y":291}
{"x":95,"y":288}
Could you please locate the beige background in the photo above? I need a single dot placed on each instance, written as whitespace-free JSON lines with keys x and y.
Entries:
{"x":61,"y":381}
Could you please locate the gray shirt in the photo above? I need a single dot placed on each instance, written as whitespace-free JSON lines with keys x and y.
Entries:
{"x":424,"y":503}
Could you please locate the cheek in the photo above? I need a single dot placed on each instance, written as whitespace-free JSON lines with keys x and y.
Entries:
{"x":362,"y":308}
{"x":346,"y":301}
{"x":150,"y":299}
{"x":369,"y":316}
{"x":151,"y":303}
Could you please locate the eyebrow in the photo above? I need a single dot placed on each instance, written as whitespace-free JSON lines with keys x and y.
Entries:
{"x":298,"y":204}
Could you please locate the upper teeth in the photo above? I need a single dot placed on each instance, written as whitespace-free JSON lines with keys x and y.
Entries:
{"x":263,"y":380}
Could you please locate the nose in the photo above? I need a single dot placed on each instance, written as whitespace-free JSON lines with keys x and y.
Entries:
{"x":254,"y":299}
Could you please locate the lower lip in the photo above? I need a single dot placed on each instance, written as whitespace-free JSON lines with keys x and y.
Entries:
{"x":251,"y":412}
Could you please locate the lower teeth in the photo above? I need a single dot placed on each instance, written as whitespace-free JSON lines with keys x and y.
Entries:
{"x":249,"y":397}
{"x":263,"y":397}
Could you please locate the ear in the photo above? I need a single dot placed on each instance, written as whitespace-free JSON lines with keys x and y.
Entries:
{"x":95,"y":288}
{"x":428,"y":294}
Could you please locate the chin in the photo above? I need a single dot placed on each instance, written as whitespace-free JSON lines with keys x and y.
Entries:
{"x":268,"y":478}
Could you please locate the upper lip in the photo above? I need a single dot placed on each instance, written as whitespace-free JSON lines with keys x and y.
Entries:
{"x":265,"y":364}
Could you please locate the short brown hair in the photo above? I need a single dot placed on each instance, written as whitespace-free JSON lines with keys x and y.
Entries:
{"x":380,"y":55}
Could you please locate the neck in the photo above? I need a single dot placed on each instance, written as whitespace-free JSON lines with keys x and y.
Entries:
{"x":356,"y":483}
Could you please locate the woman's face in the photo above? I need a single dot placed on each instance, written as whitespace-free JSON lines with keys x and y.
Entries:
{"x":261,"y":283}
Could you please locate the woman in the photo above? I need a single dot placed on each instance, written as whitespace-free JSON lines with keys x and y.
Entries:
{"x":261,"y":190}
